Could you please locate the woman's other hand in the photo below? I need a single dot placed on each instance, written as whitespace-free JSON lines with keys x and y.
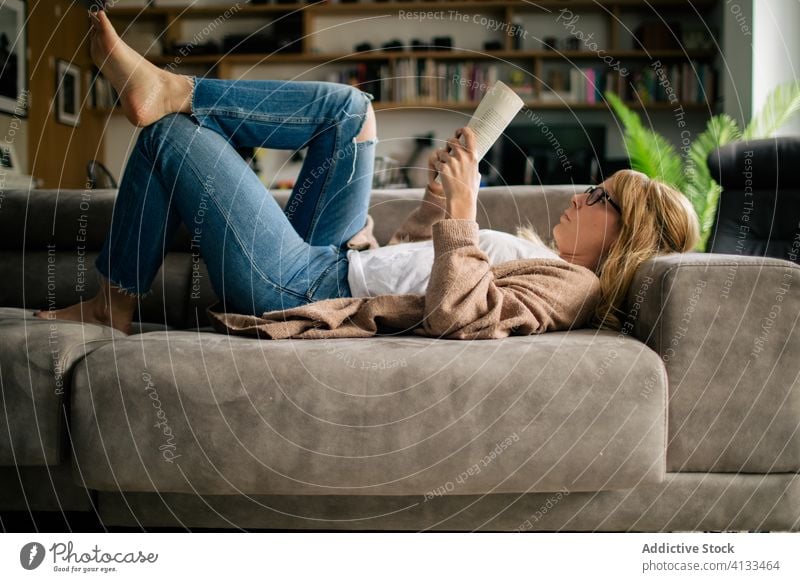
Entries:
{"x":434,"y":187}
{"x":460,"y":177}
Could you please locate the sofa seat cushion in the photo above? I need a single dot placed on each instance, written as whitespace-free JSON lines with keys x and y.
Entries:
{"x":214,"y":414}
{"x":36,"y":362}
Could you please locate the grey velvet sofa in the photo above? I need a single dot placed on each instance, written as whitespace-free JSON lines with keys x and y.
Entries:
{"x":687,"y":419}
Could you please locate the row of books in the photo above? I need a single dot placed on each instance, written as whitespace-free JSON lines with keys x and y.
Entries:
{"x":690,"y":82}
{"x":430,"y":81}
{"x":678,"y":83}
{"x":421,"y":80}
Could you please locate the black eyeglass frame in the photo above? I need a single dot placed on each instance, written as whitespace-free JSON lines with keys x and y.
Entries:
{"x":590,"y":200}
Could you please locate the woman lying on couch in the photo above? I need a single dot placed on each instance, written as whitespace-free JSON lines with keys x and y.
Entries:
{"x":313,"y":269}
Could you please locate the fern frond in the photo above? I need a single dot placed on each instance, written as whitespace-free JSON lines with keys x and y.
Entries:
{"x":706,"y":210}
{"x":630,"y":120}
{"x":720,"y":130}
{"x":781,"y":104}
{"x":648,"y":151}
{"x":701,"y":188}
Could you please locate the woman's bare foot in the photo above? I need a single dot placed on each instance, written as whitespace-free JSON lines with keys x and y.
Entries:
{"x":146,"y":92}
{"x":109,"y":307}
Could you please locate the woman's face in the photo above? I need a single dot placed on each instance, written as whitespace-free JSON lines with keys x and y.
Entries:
{"x":585,"y":233}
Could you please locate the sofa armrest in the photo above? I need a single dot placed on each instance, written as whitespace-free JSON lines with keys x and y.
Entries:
{"x":726,"y":328}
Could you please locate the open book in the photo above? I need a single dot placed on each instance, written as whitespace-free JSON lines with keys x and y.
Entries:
{"x":495,"y":111}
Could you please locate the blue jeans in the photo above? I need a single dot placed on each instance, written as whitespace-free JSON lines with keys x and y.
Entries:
{"x":184,"y":168}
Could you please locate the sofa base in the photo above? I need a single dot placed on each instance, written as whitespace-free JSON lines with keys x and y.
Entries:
{"x":682,"y":502}
{"x":29,"y":489}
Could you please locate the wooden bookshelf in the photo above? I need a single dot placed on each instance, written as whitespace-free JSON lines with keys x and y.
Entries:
{"x":365,"y":7}
{"x":455,"y":54}
{"x":533,"y":61}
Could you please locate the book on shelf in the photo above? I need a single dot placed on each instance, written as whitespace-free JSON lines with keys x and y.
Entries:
{"x":368,"y":76}
{"x":586,"y":85}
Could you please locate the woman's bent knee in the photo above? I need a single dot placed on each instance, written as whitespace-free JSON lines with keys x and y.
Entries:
{"x":370,"y":126}
{"x":174,"y":126}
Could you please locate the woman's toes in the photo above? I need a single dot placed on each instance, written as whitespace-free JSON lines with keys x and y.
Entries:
{"x":143,"y":88}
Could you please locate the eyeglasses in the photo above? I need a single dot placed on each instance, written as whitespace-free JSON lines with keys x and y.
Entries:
{"x":597,"y":193}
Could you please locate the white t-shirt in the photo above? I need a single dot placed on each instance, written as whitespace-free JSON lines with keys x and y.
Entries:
{"x":406,"y":267}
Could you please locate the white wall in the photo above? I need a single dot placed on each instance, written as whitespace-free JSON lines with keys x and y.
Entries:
{"x":120,"y":137}
{"x":736,"y":61}
{"x":776,"y":50}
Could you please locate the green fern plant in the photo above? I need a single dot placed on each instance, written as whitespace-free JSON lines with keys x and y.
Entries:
{"x":651,"y":154}
{"x":698,"y":185}
{"x":781,"y":104}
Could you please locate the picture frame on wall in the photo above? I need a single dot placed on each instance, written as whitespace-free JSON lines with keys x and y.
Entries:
{"x":8,"y":159}
{"x":13,"y":53}
{"x":68,"y":93}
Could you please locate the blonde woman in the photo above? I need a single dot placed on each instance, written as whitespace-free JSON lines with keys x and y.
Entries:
{"x":616,"y":226}
{"x":312,"y":269}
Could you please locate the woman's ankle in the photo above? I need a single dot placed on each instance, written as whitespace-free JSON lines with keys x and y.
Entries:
{"x":181,"y":93}
{"x":113,"y":305}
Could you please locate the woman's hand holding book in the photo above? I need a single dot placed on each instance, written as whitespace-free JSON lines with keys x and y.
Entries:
{"x":457,"y":164}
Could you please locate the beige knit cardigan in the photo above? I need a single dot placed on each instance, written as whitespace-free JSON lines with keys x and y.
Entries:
{"x":466,"y":297}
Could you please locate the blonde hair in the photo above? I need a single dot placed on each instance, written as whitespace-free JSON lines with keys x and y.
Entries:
{"x":656,"y":219}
